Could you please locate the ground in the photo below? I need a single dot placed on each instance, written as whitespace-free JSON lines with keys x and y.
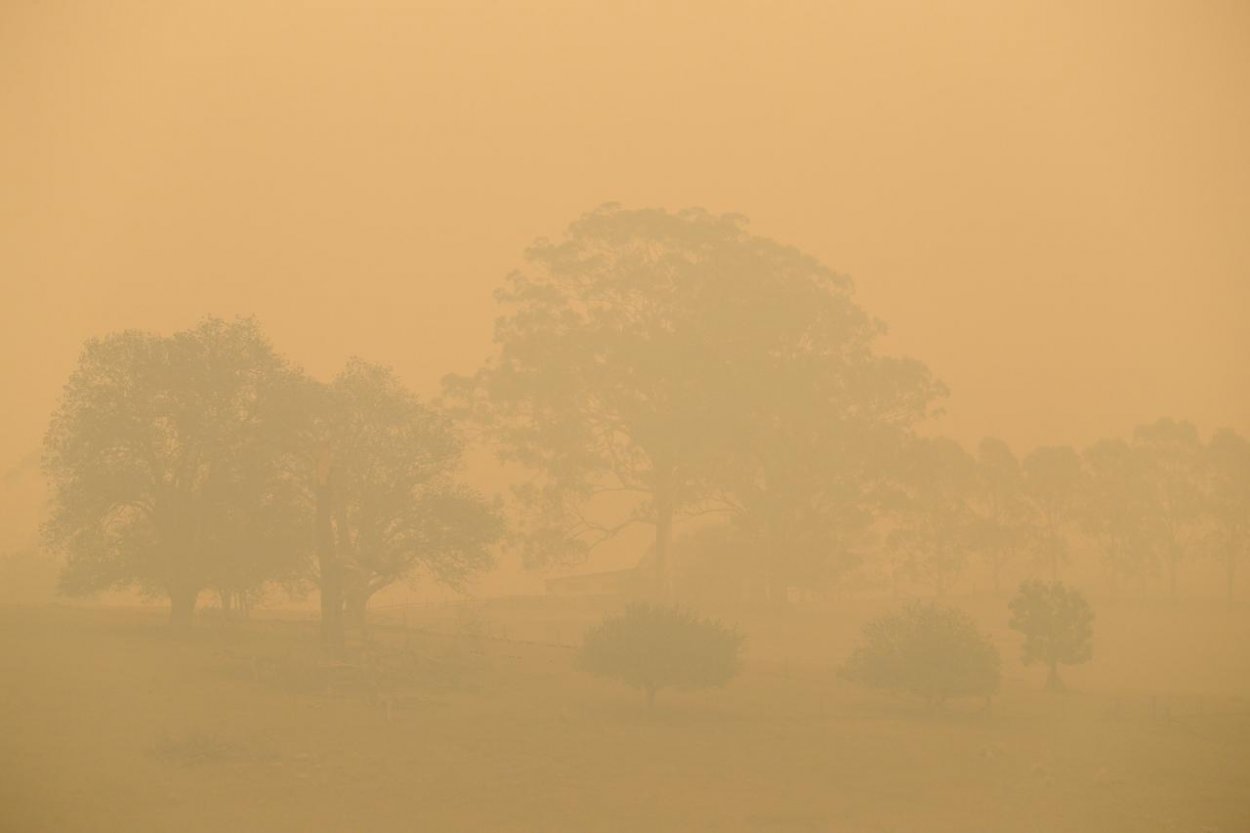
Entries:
{"x":471,"y":719}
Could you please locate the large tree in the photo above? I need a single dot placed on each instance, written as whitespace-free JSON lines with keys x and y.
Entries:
{"x":172,"y":465}
{"x":647,"y":360}
{"x":398,"y":505}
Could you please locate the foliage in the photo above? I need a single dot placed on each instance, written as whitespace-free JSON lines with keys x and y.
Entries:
{"x":933,"y":521}
{"x":1172,"y":457}
{"x":1057,"y":622}
{"x":928,"y":651}
{"x":804,"y":498}
{"x":172,"y":465}
{"x":1052,"y":481}
{"x":652,"y":647}
{"x":647,"y":362}
{"x":1117,"y":507}
{"x":1002,"y":525}
{"x":1228,"y":501}
{"x":399,"y":504}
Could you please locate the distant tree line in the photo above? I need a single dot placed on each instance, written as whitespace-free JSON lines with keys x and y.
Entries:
{"x":669,"y":371}
{"x":1146,"y":505}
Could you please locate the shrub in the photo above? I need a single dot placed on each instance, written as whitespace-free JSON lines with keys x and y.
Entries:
{"x":1057,"y":623}
{"x":928,"y":651}
{"x":650,"y":647}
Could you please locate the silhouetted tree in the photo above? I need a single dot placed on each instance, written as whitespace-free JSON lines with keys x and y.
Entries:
{"x":172,"y":466}
{"x":651,"y":647}
{"x":1227,"y":501}
{"x":1052,"y":483}
{"x":646,"y":360}
{"x":928,"y":651}
{"x":803,"y":508}
{"x":1002,"y":527}
{"x":1173,"y":457}
{"x":1117,"y":507}
{"x":1057,"y":623}
{"x":397,"y":504}
{"x":933,"y":522}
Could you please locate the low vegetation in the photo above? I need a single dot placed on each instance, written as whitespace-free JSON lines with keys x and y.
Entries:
{"x":925,"y":650}
{"x":651,"y":647}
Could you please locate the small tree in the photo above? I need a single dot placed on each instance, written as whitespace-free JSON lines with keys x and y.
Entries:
{"x":651,"y":647}
{"x":1057,"y":623}
{"x":928,"y":651}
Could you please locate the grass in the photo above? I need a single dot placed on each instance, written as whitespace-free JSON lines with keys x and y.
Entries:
{"x":468,"y":719}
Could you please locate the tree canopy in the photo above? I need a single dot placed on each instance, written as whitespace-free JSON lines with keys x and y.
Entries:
{"x":172,"y":464}
{"x":652,"y":647}
{"x":1057,"y":623}
{"x":399,"y":504}
{"x":649,"y":362}
{"x":928,"y":651}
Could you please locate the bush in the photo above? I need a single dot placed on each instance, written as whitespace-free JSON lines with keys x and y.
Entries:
{"x":928,"y":651}
{"x":1057,"y":623}
{"x":650,"y":647}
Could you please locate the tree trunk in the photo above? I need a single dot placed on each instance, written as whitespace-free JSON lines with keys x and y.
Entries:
{"x":355,"y":609}
{"x":327,"y":561}
{"x":1053,"y":683}
{"x":182,"y":607}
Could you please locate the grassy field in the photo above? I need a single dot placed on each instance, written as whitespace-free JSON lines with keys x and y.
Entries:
{"x":469,"y":718}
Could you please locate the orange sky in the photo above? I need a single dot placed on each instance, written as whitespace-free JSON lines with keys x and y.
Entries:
{"x":1048,"y":203}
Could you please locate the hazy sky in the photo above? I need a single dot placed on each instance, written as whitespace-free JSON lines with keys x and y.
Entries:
{"x":1048,"y":202}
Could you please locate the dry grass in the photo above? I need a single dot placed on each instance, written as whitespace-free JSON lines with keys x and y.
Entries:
{"x":109,"y":724}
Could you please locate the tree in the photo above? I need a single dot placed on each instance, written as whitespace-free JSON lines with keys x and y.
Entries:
{"x":1228,"y":501}
{"x":1117,"y":508}
{"x":172,"y":467}
{"x":1057,"y":623}
{"x":397,"y":504}
{"x":928,"y":651}
{"x":1001,"y":528}
{"x":803,"y":507}
{"x":1173,"y":456}
{"x":933,"y":520}
{"x":1052,"y":483}
{"x":652,"y":647}
{"x":646,"y":361}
